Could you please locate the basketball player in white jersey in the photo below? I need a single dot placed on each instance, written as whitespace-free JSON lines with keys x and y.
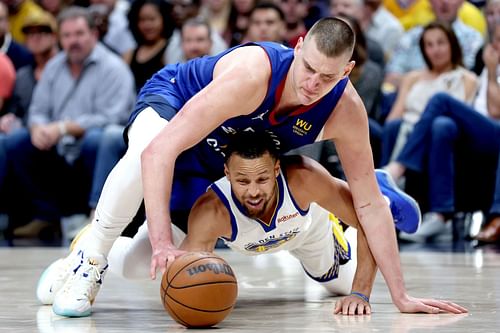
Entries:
{"x":264,"y":206}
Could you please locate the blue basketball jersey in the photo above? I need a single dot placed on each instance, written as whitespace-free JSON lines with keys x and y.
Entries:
{"x":176,"y":84}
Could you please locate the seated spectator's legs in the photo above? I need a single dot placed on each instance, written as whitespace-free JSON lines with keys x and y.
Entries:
{"x":442,"y":165}
{"x":375,"y":140}
{"x":479,"y":130}
{"x":110,"y":150}
{"x":30,"y":182}
{"x":389,"y":136}
{"x":495,"y":207}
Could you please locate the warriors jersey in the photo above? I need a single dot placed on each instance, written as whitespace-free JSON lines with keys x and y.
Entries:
{"x":312,"y":235}
{"x":174,"y":85}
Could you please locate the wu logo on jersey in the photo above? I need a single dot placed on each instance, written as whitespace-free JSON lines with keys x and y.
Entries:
{"x":301,"y":127}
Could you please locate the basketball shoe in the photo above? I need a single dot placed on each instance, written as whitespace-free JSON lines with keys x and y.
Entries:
{"x":76,"y":296}
{"x":405,"y":210}
{"x":54,"y":276}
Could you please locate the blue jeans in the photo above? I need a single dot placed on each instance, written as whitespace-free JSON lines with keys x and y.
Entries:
{"x":110,"y":150}
{"x":389,"y":137}
{"x":445,"y":124}
{"x":495,"y":207}
{"x":47,"y":185}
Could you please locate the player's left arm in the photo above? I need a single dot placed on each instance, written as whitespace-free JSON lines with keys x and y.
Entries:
{"x":208,"y":220}
{"x":348,"y":127}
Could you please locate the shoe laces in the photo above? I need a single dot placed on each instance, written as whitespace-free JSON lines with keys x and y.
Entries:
{"x":86,"y":279}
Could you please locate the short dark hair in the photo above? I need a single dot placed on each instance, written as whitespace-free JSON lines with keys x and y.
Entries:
{"x":455,"y":49}
{"x":251,"y":145}
{"x":334,"y":36}
{"x":73,"y":12}
{"x":165,"y":9}
{"x":268,"y":5}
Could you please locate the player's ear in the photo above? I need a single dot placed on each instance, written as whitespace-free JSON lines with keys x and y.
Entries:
{"x":226,"y":171}
{"x":277,"y":168}
{"x":349,"y":67}
{"x":298,"y":46}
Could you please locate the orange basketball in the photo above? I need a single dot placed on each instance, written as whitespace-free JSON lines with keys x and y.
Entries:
{"x":199,"y":289}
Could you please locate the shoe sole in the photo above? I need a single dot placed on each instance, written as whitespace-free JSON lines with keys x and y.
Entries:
{"x":413,"y":203}
{"x":70,"y":313}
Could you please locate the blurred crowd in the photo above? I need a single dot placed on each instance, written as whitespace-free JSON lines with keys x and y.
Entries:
{"x":427,"y":71}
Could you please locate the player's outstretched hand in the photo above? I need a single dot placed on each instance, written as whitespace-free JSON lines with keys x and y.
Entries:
{"x":352,"y":305}
{"x":162,"y":258}
{"x":428,"y":305}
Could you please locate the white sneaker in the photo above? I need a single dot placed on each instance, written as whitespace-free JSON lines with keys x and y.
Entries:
{"x":78,"y":293}
{"x":54,"y":277}
{"x":431,"y":227}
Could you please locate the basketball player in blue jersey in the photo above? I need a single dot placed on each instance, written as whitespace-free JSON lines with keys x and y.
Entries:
{"x":184,"y":116}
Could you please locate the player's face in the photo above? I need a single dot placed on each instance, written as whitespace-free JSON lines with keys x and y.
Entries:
{"x":253,"y":182}
{"x":314,"y":74}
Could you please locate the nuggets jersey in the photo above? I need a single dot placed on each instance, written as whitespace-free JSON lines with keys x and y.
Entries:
{"x":175,"y":84}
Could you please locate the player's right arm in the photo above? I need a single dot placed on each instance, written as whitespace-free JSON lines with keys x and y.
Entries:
{"x":239,"y":87}
{"x":208,"y":220}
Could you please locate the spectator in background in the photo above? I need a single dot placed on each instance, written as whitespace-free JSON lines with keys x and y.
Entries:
{"x":295,"y":13}
{"x":100,"y":17}
{"x":492,"y":13}
{"x":82,"y":89}
{"x":412,"y":13}
{"x":216,"y":12}
{"x":151,"y":25}
{"x":407,"y":55}
{"x":267,"y":23}
{"x":17,"y":53}
{"x":182,"y":11}
{"x":54,"y":7}
{"x":195,"y":36}
{"x":239,"y":19}
{"x":8,"y":78}
{"x":19,"y":10}
{"x":380,"y":25}
{"x":118,"y":35}
{"x":41,"y":39}
{"x":355,"y":9}
{"x":444,"y":73}
{"x":447,"y":127}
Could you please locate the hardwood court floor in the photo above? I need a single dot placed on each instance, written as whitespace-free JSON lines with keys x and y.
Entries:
{"x":274,"y":296}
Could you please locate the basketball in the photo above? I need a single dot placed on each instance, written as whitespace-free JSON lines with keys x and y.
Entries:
{"x":199,"y":289}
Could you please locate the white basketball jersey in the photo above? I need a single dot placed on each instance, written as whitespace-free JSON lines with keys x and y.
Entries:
{"x":289,"y":227}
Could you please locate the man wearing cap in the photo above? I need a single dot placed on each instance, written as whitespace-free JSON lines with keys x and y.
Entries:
{"x":41,"y":41}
